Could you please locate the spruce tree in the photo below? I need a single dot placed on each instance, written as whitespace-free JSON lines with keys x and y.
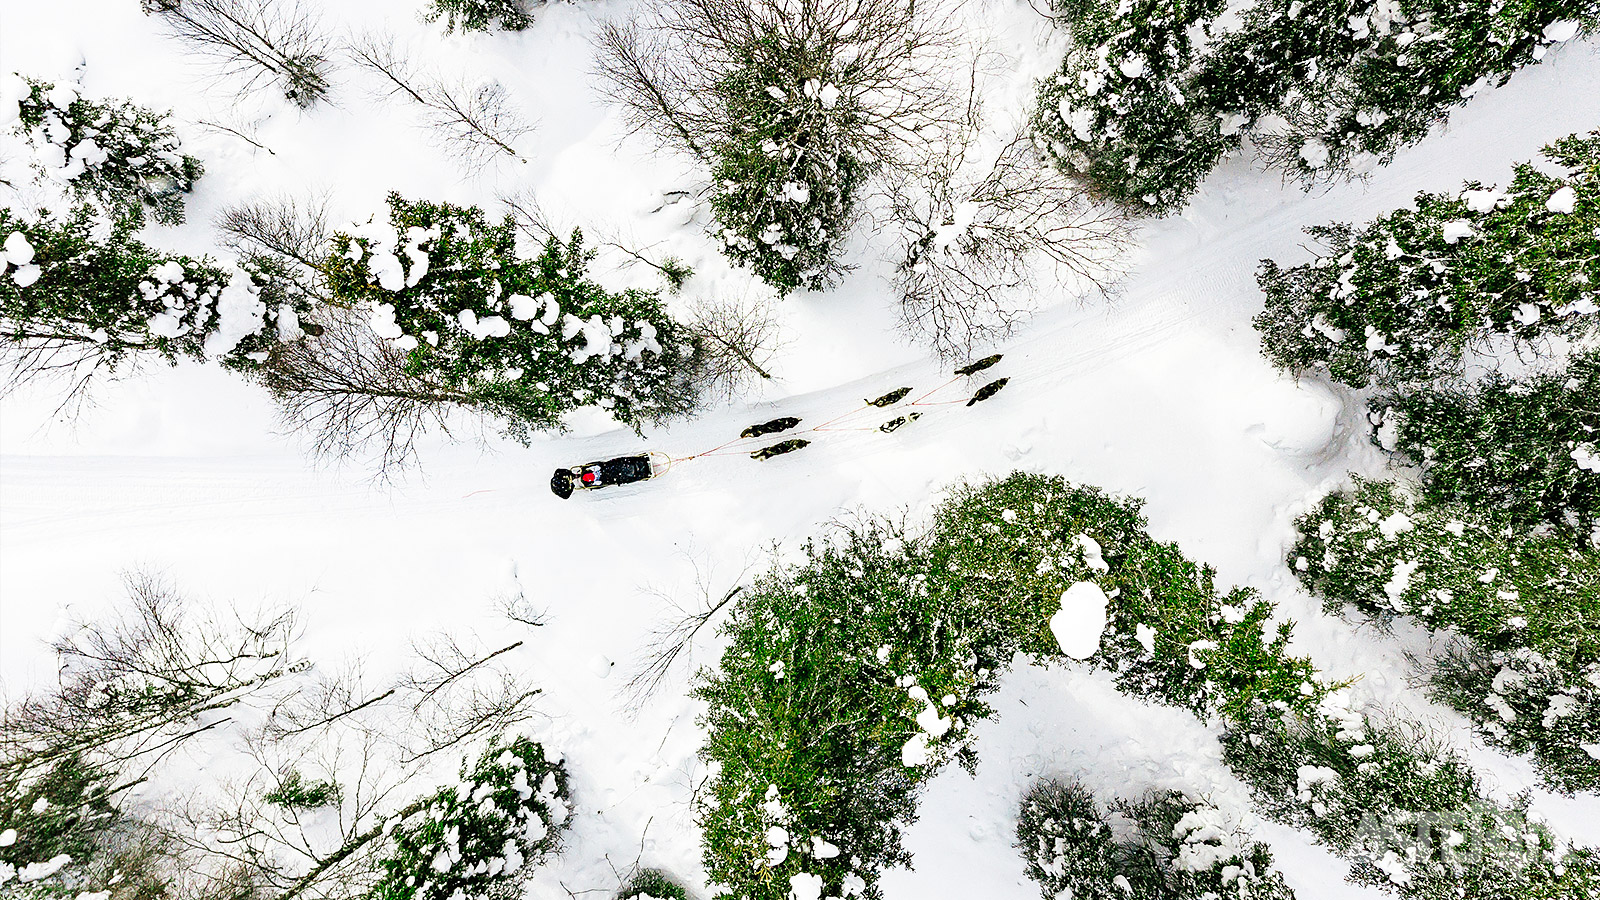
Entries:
{"x":1525,"y":449}
{"x":1124,"y":112}
{"x":480,"y":15}
{"x":71,"y":301}
{"x":1526,"y":607}
{"x":124,"y":158}
{"x":527,"y":339}
{"x":1399,"y":300}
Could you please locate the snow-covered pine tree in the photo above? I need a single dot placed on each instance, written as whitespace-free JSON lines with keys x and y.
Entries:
{"x":1125,"y":113}
{"x":1400,"y":299}
{"x":481,"y":15}
{"x":787,"y":174}
{"x":524,"y":339}
{"x":1372,"y":76}
{"x":1176,"y":847}
{"x":1526,"y":606}
{"x":73,"y":304}
{"x":1526,"y":450}
{"x":483,"y":837}
{"x":1153,"y":92}
{"x":124,"y":158}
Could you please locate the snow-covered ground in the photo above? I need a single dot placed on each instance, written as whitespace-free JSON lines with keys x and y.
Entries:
{"x":1159,"y":392}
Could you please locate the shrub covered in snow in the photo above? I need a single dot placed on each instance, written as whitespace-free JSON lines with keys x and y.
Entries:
{"x":1526,"y":450}
{"x":822,"y":734}
{"x":1152,"y":93}
{"x":74,"y":302}
{"x":851,"y":677}
{"x":1124,"y":112}
{"x":481,"y":838}
{"x":124,"y":158}
{"x":1400,"y":299}
{"x":1526,"y":606}
{"x":524,"y":339}
{"x":1174,"y":847}
{"x":481,"y":15}
{"x":1411,"y":817}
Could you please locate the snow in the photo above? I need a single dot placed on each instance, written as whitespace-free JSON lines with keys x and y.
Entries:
{"x":1562,"y":201}
{"x":1081,"y":621}
{"x":1161,"y":394}
{"x":1314,"y":153}
{"x":1456,"y":229}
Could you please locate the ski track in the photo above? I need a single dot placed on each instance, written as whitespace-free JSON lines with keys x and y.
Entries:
{"x":1158,"y":391}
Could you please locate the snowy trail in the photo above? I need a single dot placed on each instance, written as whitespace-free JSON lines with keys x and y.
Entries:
{"x":1159,"y":391}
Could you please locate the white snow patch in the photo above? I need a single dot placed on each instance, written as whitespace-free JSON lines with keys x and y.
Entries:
{"x":1081,"y":621}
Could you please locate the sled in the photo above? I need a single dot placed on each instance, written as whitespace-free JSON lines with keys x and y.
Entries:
{"x":891,"y":398}
{"x":780,"y":448}
{"x":974,"y":368}
{"x":608,"y":472}
{"x":988,"y":390}
{"x":772,"y":427}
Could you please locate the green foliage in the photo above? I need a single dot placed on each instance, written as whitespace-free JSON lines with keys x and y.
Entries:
{"x":524,"y":339}
{"x":109,"y":299}
{"x":295,"y":792}
{"x":1523,"y":449}
{"x":1123,"y":113}
{"x":122,"y":157}
{"x":483,"y":837}
{"x":58,"y":816}
{"x":480,"y":15}
{"x":677,"y":272}
{"x":1401,"y":299}
{"x":1410,"y":816}
{"x":822,"y":733}
{"x":1177,"y":848}
{"x":1152,"y":93}
{"x":1526,"y":605}
{"x":652,"y":884}
{"x":787,"y":175}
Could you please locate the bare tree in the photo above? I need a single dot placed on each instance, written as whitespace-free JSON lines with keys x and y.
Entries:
{"x":256,"y":41}
{"x":890,"y":60}
{"x":977,"y":242}
{"x":348,"y":390}
{"x":475,"y":122}
{"x":672,"y":640}
{"x":738,"y":338}
{"x":294,"y":232}
{"x":134,"y":688}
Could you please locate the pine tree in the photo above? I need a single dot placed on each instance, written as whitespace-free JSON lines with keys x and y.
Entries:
{"x":74,"y":304}
{"x":1124,"y":113}
{"x":1524,"y":449}
{"x":1400,"y":300}
{"x":1526,"y":606}
{"x":480,"y":15}
{"x":122,"y":157}
{"x":788,"y":178}
{"x":1152,"y":93}
{"x":527,"y":339}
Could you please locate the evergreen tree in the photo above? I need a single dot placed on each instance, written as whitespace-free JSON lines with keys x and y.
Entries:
{"x":528,"y":339}
{"x":483,"y":837}
{"x":122,"y":157}
{"x":787,"y":175}
{"x":73,"y":302}
{"x":1527,"y":608}
{"x":480,"y":15}
{"x":1523,"y":449}
{"x":1124,"y":113}
{"x":1401,"y":299}
{"x":1153,"y":92}
{"x":1180,"y":848}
